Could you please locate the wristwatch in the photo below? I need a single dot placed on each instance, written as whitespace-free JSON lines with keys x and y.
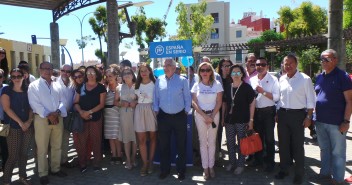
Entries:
{"x":346,"y":121}
{"x":58,"y":111}
{"x":264,"y":93}
{"x":309,"y":116}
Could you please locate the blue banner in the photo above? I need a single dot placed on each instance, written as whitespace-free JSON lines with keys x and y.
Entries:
{"x":170,"y":49}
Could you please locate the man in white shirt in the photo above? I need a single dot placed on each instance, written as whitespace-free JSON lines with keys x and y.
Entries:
{"x":296,"y":104}
{"x":267,"y":87}
{"x":47,"y":104}
{"x":68,"y":91}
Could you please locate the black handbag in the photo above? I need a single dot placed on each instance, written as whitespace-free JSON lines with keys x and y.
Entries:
{"x":73,"y":122}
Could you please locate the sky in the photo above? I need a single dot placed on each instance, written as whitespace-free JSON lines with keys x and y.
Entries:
{"x":19,"y":23}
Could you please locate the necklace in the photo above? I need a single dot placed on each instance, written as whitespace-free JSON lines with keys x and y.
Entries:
{"x":233,"y":97}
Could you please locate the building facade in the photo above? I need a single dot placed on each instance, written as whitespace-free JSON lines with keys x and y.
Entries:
{"x":18,"y":51}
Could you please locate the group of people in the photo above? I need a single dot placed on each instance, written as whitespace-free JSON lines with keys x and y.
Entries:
{"x":130,"y":110}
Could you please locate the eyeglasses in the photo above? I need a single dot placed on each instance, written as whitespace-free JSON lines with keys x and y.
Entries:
{"x":47,"y":69}
{"x":66,"y":71}
{"x":261,"y":65}
{"x":236,"y":73}
{"x":325,"y":59}
{"x":16,"y":77}
{"x":128,"y":73}
{"x":76,"y":77}
{"x":90,"y":73}
{"x":204,"y":70}
{"x":227,"y":66}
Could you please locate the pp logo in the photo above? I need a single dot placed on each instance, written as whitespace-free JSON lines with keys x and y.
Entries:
{"x":159,"y":50}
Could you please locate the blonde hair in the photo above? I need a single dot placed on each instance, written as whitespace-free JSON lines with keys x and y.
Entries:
{"x":212,"y":76}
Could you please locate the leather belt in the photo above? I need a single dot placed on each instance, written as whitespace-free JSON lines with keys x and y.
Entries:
{"x":207,"y":111}
{"x":291,"y":110}
{"x":265,"y":108}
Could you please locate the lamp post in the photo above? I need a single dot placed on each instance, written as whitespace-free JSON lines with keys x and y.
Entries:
{"x":63,"y":43}
{"x":197,"y":50}
{"x":81,"y":24}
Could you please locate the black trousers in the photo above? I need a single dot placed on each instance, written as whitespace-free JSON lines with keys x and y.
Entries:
{"x":4,"y":151}
{"x":264,"y":125}
{"x":168,"y":124}
{"x":291,"y":137}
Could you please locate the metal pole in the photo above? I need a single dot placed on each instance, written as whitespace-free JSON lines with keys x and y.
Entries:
{"x":69,"y":55}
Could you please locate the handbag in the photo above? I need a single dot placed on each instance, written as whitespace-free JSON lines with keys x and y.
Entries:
{"x":73,"y":122}
{"x":4,"y":129}
{"x":251,"y":143}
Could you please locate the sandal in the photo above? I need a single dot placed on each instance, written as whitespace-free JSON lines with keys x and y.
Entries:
{"x":150,"y":168}
{"x":25,"y":181}
{"x":144,"y":171}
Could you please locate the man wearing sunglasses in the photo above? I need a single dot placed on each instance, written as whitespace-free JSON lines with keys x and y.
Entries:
{"x":333,"y":88}
{"x":67,"y":90}
{"x":267,"y":87}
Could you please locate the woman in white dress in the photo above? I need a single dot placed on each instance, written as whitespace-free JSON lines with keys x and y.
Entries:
{"x":145,"y":118}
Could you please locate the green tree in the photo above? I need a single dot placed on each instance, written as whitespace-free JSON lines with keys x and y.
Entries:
{"x":193,"y":23}
{"x":347,"y":13}
{"x":309,"y":61}
{"x":306,"y":20}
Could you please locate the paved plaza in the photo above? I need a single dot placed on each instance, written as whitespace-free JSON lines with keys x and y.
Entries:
{"x":117,"y":174}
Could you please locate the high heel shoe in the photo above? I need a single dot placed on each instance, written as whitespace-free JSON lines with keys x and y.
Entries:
{"x":212,"y":172}
{"x":206,"y":174}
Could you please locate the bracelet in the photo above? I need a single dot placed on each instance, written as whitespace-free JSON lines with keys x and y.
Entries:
{"x":251,"y":120}
{"x":346,"y":121}
{"x":91,"y":112}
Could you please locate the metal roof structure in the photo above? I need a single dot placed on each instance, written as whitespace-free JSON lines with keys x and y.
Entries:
{"x":58,"y":7}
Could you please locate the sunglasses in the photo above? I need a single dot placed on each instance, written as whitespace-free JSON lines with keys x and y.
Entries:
{"x":204,"y":70}
{"x":261,"y":65}
{"x":236,"y":73}
{"x":66,"y":71}
{"x":2,"y":53}
{"x":227,"y":66}
{"x":90,"y":73}
{"x":323,"y":59}
{"x":16,"y":77}
{"x":77,"y":77}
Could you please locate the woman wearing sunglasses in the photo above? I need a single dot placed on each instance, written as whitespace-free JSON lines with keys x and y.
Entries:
{"x":240,"y":102}
{"x":19,"y":115}
{"x":89,"y":103}
{"x":3,"y":63}
{"x":207,"y":100}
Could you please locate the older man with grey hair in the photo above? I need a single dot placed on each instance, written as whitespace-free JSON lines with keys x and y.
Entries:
{"x":333,"y":109}
{"x":68,"y":91}
{"x":172,"y":102}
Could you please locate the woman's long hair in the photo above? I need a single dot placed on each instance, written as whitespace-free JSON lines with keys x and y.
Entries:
{"x":139,"y":77}
{"x":24,"y":86}
{"x":4,"y":64}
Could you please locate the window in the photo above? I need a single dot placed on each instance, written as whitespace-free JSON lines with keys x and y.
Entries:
{"x":238,"y":55}
{"x":216,"y":17}
{"x":21,"y":56}
{"x":238,"y":33}
{"x":215,"y":34}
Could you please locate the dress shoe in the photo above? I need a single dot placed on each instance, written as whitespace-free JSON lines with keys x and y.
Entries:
{"x":298,"y":179}
{"x":181,"y":176}
{"x":44,"y":180}
{"x":163,"y":175}
{"x":59,"y":174}
{"x":83,"y":170}
{"x":229,"y":167}
{"x":281,"y":175}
